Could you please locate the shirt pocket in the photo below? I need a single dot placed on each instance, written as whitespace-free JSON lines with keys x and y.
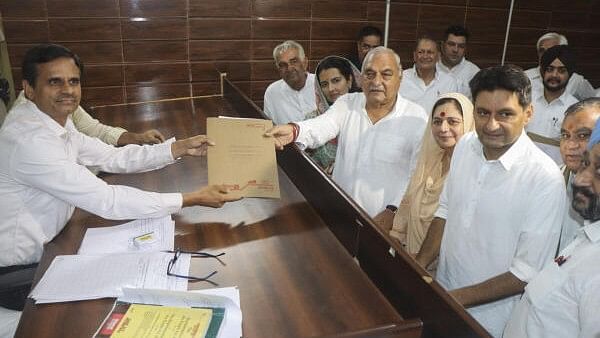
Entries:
{"x":540,"y":289}
{"x":390,"y":148}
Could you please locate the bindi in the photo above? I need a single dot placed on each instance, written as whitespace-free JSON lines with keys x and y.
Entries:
{"x":442,"y":114}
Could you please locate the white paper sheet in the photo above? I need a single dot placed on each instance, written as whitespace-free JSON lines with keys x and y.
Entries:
{"x":79,"y":277}
{"x":119,"y":238}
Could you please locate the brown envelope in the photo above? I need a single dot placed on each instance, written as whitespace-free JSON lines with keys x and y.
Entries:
{"x":243,"y":159}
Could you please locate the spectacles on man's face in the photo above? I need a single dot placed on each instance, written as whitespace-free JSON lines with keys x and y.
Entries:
{"x":194,"y":254}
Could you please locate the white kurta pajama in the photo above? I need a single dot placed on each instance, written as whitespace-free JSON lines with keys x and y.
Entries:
{"x":373,"y":161}
{"x":464,"y":71}
{"x":501,"y":216}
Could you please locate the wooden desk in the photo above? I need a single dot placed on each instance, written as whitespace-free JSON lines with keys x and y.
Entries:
{"x":295,"y":278}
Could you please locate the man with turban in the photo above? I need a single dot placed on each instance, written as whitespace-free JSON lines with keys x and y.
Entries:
{"x":550,"y":102}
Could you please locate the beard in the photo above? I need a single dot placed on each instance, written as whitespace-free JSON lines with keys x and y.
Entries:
{"x":560,"y":86}
{"x":589,"y":210}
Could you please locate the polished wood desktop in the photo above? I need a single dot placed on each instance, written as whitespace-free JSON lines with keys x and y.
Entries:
{"x":310,"y":264}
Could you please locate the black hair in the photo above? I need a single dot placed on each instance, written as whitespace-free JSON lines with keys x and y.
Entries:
{"x":507,"y":77}
{"x":368,"y":31}
{"x":445,"y":100}
{"x":42,"y":54}
{"x":456,"y":30}
{"x":340,"y":64}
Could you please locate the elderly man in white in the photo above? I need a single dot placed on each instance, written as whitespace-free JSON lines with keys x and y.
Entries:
{"x":502,"y":205}
{"x":423,"y":83}
{"x":578,"y":86}
{"x":379,"y":133}
{"x":293,"y":96}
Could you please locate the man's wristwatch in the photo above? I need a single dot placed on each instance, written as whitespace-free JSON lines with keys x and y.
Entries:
{"x":392,"y":208}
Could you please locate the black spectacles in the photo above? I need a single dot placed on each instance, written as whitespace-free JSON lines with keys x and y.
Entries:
{"x":193,"y":279}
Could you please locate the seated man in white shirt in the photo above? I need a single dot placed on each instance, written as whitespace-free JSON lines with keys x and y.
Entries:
{"x":501,"y":207}
{"x":422,"y":83}
{"x":577,"y":126}
{"x":549,"y":104}
{"x":378,"y":131}
{"x":453,"y":60}
{"x":292,"y":97}
{"x":563,"y":299}
{"x":107,"y":134}
{"x":43,"y":175}
{"x":578,"y":86}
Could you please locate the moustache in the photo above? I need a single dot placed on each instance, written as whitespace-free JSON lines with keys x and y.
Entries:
{"x":375,"y":89}
{"x":587,"y":192}
{"x":66,"y":97}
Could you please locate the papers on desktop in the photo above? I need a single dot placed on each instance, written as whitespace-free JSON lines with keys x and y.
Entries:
{"x":227,"y":298}
{"x":80,"y":277}
{"x":120,"y":238}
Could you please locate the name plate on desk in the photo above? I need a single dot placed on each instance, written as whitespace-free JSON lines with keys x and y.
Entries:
{"x":243,"y":159}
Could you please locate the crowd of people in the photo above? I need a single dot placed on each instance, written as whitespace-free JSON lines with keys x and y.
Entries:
{"x":488,"y":177}
{"x":485,"y":177}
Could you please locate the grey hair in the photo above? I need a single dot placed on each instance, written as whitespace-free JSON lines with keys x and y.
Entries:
{"x":279,"y":49}
{"x":562,"y":40}
{"x":380,"y":50}
{"x":591,"y":102}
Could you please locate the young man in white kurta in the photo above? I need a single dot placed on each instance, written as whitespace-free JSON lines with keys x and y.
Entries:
{"x":502,"y":205}
{"x":501,"y":215}
{"x":373,"y":161}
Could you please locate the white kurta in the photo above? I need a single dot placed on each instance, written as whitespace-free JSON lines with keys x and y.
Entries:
{"x":578,"y":86}
{"x":547,"y":120}
{"x":43,"y":178}
{"x":373,"y":161}
{"x":463,"y":72}
{"x":414,"y":89}
{"x":282,"y":104}
{"x":501,"y":216}
{"x":563,"y":301}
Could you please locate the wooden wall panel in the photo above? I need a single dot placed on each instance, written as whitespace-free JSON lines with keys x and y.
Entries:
{"x":131,"y":45}
{"x":83,"y":8}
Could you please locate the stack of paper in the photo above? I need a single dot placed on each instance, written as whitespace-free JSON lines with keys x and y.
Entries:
{"x":79,"y":277}
{"x":126,"y":237}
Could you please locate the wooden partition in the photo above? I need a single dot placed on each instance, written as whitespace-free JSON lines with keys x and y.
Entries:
{"x":405,"y":284}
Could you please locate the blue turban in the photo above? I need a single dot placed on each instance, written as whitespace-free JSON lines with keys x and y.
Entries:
{"x":595,"y":138}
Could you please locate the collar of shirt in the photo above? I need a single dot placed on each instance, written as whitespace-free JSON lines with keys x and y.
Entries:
{"x":539,"y":96}
{"x":592,"y":231}
{"x":48,"y":121}
{"x":413,"y":72}
{"x":510,"y":157}
{"x":441,"y":66}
